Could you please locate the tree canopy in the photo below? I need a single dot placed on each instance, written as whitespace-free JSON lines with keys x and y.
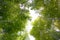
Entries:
{"x":13,"y":19}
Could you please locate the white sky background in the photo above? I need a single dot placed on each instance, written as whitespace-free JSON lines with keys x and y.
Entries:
{"x":29,"y":25}
{"x":34,"y":15}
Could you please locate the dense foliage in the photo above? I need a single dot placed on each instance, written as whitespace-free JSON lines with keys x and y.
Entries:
{"x":13,"y":19}
{"x":44,"y":27}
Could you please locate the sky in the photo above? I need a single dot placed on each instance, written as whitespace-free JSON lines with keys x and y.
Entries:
{"x":29,"y":25}
{"x":34,"y":15}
